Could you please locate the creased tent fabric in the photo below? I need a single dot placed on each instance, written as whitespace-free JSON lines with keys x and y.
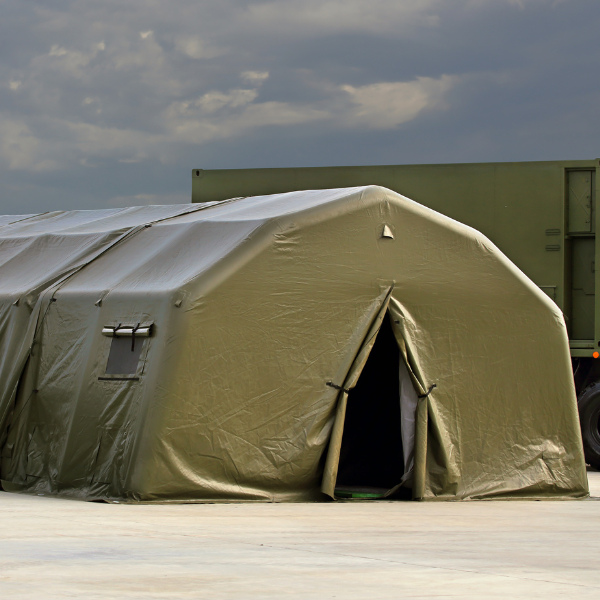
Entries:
{"x":263,"y":312}
{"x":37,"y":254}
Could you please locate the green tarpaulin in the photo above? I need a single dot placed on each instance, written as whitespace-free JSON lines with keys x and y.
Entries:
{"x":278,"y":348}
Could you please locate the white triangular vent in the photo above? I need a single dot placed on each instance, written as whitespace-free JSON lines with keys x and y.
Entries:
{"x":387,"y":232}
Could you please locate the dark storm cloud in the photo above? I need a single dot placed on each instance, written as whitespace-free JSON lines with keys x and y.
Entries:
{"x":113,"y":103}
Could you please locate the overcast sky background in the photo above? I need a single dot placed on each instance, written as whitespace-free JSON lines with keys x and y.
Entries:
{"x":112,"y":103}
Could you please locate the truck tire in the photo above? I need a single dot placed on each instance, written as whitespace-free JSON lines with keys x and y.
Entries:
{"x":589,"y":418}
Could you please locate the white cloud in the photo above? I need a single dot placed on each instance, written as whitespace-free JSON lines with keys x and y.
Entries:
{"x":71,"y":62}
{"x":57,"y":51}
{"x":255,"y":77}
{"x":20,"y":149}
{"x":213,"y":101}
{"x":150,"y":103}
{"x":254,"y":116}
{"x":218,"y":115}
{"x":375,"y":106}
{"x":389,"y":104}
{"x":195,"y":47}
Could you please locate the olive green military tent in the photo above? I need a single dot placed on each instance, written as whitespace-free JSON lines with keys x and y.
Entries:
{"x":278,"y":348}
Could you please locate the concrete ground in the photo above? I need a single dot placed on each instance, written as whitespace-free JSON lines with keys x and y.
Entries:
{"x":51,"y":548}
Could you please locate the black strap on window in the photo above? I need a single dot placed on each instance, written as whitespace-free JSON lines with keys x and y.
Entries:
{"x":133,"y":336}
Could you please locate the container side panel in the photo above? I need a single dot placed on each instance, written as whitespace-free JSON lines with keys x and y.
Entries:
{"x":580,"y":201}
{"x":583,"y":290}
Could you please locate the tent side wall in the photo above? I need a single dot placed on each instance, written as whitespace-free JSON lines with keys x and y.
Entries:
{"x":76,"y":435}
{"x":38,"y":254}
{"x":245,"y":411}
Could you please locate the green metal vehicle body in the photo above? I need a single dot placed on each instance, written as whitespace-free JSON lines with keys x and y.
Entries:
{"x":542,"y":215}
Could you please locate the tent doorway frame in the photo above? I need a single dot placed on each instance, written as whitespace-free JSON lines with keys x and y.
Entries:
{"x":413,"y":417}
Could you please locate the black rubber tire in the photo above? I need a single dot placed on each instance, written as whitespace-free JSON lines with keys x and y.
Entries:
{"x":589,"y":418}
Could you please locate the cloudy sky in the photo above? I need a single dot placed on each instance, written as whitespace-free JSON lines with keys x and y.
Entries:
{"x":110,"y":103}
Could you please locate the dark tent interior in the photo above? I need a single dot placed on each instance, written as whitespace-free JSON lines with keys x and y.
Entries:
{"x":371,"y":458}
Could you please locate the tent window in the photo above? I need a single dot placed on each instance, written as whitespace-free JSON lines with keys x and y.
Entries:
{"x":126,"y":349}
{"x":371,"y":456}
{"x":124,"y":356}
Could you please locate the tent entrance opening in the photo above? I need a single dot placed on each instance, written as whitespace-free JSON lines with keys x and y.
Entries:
{"x":371,"y":457}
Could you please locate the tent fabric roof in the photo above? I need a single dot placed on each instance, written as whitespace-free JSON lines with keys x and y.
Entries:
{"x":256,"y":303}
